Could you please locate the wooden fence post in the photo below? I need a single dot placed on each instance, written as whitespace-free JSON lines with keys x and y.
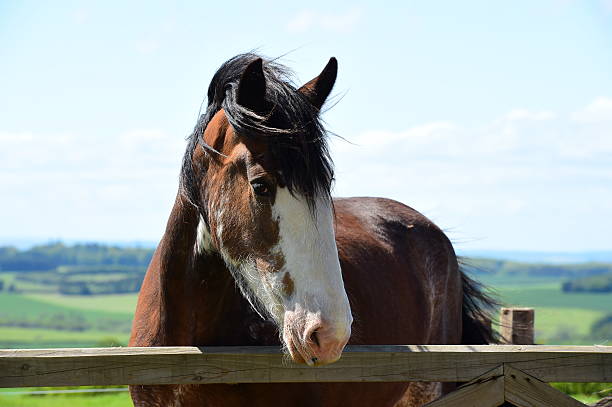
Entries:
{"x":517,"y":326}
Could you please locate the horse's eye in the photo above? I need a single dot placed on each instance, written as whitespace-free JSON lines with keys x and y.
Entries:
{"x":260,"y":187}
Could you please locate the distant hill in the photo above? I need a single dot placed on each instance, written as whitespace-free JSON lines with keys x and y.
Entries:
{"x":81,"y":269}
{"x":53,"y":255}
{"x":600,"y":256}
{"x":541,"y":257}
{"x":23,"y":243}
{"x":601,"y":283}
{"x":515,"y":269}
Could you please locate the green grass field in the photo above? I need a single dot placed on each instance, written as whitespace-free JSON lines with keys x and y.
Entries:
{"x":91,"y":307}
{"x":107,"y":316}
{"x":550,"y":295}
{"x":10,"y":278}
{"x":12,"y":337}
{"x":120,"y":399}
{"x":561,"y":318}
{"x":117,"y":303}
{"x":565,"y":325}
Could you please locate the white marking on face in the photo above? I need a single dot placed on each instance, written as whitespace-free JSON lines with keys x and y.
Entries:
{"x":308,"y":246}
{"x":318,"y":301}
{"x":307,"y":242}
{"x":203,"y":242}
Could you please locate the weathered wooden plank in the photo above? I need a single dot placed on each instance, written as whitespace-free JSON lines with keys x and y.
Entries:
{"x":484,"y":391}
{"x":178,"y":365}
{"x":517,"y":326}
{"x":523,"y":390}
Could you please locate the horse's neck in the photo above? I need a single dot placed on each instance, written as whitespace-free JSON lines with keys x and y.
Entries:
{"x":194,"y":293}
{"x":219,"y":311}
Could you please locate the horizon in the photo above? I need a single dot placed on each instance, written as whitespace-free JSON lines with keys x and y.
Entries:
{"x":493,"y":121}
{"x":520,"y":256}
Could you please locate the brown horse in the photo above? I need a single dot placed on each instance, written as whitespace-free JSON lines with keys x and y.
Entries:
{"x":256,"y":252}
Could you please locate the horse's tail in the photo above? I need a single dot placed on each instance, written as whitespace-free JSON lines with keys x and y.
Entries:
{"x":478,"y":311}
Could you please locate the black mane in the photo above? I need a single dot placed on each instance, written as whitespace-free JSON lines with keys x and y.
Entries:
{"x":291,"y":126}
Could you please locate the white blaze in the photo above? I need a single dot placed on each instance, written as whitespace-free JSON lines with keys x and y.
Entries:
{"x":308,"y":246}
{"x":307,"y":242}
{"x":203,"y":242}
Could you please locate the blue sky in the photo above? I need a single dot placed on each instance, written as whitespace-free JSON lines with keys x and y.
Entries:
{"x":492,"y":118}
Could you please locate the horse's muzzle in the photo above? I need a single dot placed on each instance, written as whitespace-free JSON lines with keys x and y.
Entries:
{"x":315,"y":342}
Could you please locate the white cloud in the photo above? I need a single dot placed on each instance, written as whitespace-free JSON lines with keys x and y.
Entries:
{"x":600,"y":110}
{"x":524,"y":114}
{"x":15,"y":137}
{"x":115,"y":187}
{"x":532,"y":170}
{"x":426,"y":132}
{"x":137,"y":149}
{"x":343,"y":22}
{"x":526,"y":179}
{"x":520,"y":135}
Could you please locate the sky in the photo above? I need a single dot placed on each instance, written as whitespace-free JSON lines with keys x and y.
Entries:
{"x":494,"y":119}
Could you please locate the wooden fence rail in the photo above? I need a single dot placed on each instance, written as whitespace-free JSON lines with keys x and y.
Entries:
{"x":494,"y":374}
{"x":182,"y":365}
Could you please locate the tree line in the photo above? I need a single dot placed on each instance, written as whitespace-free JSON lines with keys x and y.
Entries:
{"x":593,"y":284}
{"x":53,"y":255}
{"x":513,"y":268}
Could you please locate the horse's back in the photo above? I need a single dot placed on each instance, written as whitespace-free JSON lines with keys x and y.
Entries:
{"x":402,"y":278}
{"x":400,"y":272}
{"x":388,"y":224}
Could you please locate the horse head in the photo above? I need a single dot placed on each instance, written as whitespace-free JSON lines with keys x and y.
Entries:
{"x":259,"y":171}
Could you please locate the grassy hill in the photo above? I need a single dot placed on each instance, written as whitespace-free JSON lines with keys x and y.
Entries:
{"x":35,"y":311}
{"x":560,"y":317}
{"x":52,"y":320}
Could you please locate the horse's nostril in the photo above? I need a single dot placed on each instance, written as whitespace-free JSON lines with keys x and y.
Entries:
{"x":314,"y":338}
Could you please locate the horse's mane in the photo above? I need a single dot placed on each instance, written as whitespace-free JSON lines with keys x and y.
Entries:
{"x":291,"y":127}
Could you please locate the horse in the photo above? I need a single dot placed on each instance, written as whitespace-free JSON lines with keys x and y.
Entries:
{"x":256,"y":252}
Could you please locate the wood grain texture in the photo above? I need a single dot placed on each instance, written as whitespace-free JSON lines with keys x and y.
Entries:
{"x":523,"y":390}
{"x":517,"y":326}
{"x":485,"y":391}
{"x":506,"y":384}
{"x":190,"y":365}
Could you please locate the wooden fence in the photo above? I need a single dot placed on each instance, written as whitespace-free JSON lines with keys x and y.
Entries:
{"x":514,"y":373}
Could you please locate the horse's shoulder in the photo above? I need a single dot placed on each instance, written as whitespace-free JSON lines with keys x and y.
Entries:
{"x":386,"y":224}
{"x":380,"y":212}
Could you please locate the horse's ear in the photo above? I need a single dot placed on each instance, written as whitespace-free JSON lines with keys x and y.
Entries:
{"x":318,"y":89}
{"x":252,"y":87}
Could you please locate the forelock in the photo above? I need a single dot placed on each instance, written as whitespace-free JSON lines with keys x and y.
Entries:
{"x":291,"y":129}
